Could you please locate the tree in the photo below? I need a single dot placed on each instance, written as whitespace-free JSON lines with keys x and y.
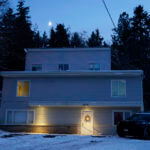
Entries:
{"x":95,"y":40}
{"x":62,"y":36}
{"x":37,"y":40}
{"x":52,"y":40}
{"x":77,"y":40}
{"x":120,"y":40}
{"x":7,"y":37}
{"x":131,"y":44}
{"x":23,"y":33}
{"x":44,"y":40}
{"x":3,"y":7}
{"x":59,"y":37}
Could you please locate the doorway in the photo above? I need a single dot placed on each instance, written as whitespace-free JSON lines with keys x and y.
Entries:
{"x":87,"y":122}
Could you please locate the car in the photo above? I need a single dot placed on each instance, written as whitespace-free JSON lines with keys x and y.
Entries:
{"x":136,"y":125}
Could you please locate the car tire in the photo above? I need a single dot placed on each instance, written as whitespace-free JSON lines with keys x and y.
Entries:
{"x":146,"y":132}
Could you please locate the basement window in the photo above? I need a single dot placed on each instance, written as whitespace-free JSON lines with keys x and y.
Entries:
{"x":19,"y":117}
{"x":120,"y":115}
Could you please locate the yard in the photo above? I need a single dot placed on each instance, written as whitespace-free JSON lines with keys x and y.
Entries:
{"x":69,"y":142}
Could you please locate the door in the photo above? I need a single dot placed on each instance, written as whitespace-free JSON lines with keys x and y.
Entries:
{"x":87,"y":122}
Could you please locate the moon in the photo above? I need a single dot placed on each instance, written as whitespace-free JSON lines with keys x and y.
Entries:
{"x":50,"y":23}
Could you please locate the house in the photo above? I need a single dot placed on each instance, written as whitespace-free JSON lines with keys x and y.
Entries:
{"x":69,"y":90}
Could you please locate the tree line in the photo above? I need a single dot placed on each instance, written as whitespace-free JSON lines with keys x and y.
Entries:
{"x":130,"y":40}
{"x":17,"y":33}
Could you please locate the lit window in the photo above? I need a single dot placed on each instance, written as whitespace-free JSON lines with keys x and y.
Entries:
{"x":118,"y":88}
{"x":23,"y":88}
{"x":120,"y":115}
{"x":63,"y":67}
{"x":20,"y":117}
{"x":94,"y":66}
{"x":37,"y":67}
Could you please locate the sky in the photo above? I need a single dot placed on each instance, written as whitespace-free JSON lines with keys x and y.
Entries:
{"x":80,"y":15}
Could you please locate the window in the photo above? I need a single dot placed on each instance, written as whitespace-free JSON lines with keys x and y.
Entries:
{"x":20,"y":117}
{"x":118,"y":88}
{"x":37,"y":67}
{"x":120,"y":115}
{"x":63,"y":67}
{"x":23,"y":88}
{"x":94,"y":66}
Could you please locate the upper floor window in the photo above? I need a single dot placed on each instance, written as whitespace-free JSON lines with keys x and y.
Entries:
{"x":94,"y":66}
{"x":63,"y":67}
{"x":118,"y":88}
{"x":37,"y":67}
{"x":23,"y":88}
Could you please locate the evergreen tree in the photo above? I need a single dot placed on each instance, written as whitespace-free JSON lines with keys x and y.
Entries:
{"x":62,"y":36}
{"x":77,"y":40}
{"x":131,"y":42}
{"x":44,"y":40}
{"x":52,"y":40}
{"x":23,"y":33}
{"x":7,"y":38}
{"x":95,"y":40}
{"x":37,"y":40}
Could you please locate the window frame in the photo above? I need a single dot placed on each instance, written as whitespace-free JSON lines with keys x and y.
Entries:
{"x":23,"y":87}
{"x":37,"y":65}
{"x":63,"y":66}
{"x":119,"y":96}
{"x":123,"y":111}
{"x":93,"y":66}
{"x":15,"y":110}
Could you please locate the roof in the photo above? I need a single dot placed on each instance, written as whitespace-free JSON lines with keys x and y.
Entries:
{"x":65,"y":49}
{"x":128,"y":73}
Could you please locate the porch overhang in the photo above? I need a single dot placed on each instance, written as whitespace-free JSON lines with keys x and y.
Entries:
{"x":85,"y":103}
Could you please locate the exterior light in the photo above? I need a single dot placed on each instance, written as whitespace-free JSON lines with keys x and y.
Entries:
{"x":87,"y":118}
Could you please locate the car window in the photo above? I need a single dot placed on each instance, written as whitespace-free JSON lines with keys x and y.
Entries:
{"x":140,"y":117}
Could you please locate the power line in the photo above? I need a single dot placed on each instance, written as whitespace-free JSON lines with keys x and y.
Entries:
{"x":109,"y":13}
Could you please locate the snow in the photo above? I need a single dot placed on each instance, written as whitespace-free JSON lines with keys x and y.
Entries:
{"x":70,"y":142}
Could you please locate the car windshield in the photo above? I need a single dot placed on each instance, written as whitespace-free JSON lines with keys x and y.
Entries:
{"x":137,"y":117}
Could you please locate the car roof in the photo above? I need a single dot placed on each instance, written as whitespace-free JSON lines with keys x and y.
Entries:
{"x":144,"y":113}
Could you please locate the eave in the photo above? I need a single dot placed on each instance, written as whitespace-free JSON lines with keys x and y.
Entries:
{"x":106,"y":73}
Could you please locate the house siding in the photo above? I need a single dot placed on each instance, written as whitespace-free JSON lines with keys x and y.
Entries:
{"x":77,"y":59}
{"x":60,"y":119}
{"x":72,"y":89}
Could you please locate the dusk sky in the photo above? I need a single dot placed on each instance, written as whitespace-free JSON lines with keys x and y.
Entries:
{"x":80,"y":15}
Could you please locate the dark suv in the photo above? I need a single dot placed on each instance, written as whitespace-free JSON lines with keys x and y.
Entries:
{"x":136,"y":125}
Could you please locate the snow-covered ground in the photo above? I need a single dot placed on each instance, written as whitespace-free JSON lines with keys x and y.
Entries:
{"x":71,"y":142}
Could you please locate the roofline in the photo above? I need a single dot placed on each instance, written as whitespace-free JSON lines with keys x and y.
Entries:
{"x":128,"y":73}
{"x":66,"y":49}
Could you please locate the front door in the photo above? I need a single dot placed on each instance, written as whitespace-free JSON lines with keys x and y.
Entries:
{"x":87,"y":122}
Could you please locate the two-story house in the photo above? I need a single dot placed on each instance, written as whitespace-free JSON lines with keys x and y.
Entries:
{"x":69,"y":90}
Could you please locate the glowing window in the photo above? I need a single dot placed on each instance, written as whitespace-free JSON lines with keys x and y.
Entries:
{"x":23,"y":88}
